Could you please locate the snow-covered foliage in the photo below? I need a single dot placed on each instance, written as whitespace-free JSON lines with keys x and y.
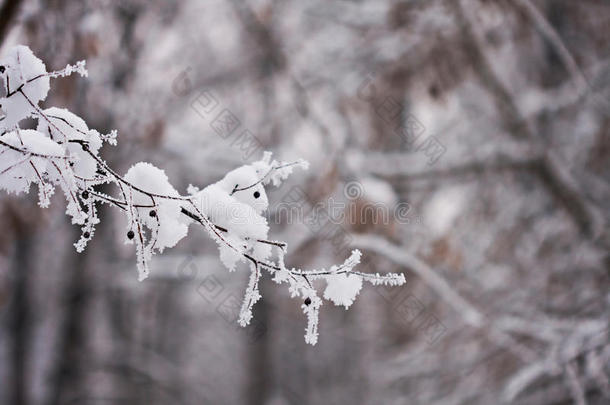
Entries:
{"x":342,"y":289}
{"x":64,"y":152}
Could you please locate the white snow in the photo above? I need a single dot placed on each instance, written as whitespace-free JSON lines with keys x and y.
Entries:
{"x":246,"y":177}
{"x":342,"y":289}
{"x":169,"y":222}
{"x":17,"y":169}
{"x":62,"y":125}
{"x":21,"y":69}
{"x":379,"y":191}
{"x":443,"y":208}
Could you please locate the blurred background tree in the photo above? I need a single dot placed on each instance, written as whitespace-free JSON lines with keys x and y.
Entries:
{"x":505,"y":241}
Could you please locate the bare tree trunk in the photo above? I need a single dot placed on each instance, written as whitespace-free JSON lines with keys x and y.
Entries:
{"x":66,"y":376}
{"x":20,"y":324}
{"x":7,"y":14}
{"x":257,"y":388}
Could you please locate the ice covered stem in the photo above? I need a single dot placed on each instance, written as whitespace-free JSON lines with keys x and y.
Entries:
{"x":251,"y":297}
{"x":343,"y":286}
{"x":311,"y":308}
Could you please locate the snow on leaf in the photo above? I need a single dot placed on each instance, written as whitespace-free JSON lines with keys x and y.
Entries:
{"x":342,"y":289}
{"x":64,"y":126}
{"x":24,"y":160}
{"x":25,"y":83}
{"x":160,"y":214}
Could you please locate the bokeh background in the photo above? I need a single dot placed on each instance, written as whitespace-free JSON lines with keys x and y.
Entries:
{"x":504,"y":241}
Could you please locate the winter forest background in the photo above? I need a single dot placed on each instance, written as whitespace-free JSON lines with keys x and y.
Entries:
{"x":463,"y":143}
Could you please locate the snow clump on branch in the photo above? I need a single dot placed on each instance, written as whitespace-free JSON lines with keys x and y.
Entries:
{"x":64,"y":152}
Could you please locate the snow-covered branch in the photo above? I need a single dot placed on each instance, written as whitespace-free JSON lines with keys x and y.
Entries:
{"x":62,"y":151}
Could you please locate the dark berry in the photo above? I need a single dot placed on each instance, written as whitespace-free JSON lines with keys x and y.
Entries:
{"x":130,"y":235}
{"x":86,"y":208}
{"x":152,"y":213}
{"x":85,"y":195}
{"x":84,"y":146}
{"x":2,"y":69}
{"x":86,"y":235}
{"x":257,"y":194}
{"x":307,"y":301}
